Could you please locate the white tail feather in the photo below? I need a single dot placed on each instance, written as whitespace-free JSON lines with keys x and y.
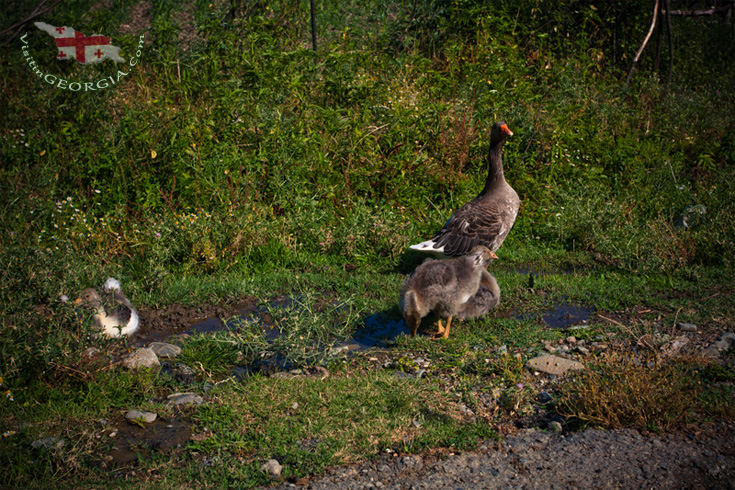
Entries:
{"x":112,"y":284}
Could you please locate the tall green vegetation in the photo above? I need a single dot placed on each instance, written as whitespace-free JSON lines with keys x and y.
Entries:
{"x":232,"y":145}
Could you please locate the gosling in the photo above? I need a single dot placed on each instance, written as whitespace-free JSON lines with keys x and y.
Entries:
{"x":442,"y":286}
{"x":485,"y":299}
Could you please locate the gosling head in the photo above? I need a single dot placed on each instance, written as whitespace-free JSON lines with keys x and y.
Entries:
{"x":89,"y":297}
{"x":484,"y":254}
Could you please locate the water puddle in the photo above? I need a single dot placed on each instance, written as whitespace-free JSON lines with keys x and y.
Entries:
{"x":133,"y":442}
{"x":250,"y":313}
{"x":563,"y":315}
{"x":567,"y":315}
{"x":379,"y":328}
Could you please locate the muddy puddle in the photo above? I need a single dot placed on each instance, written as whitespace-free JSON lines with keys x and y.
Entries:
{"x":132,"y":442}
{"x":161,"y":325}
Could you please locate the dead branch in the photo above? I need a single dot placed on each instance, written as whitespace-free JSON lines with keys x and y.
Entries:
{"x":694,"y":13}
{"x":643,"y":45}
{"x":18,"y":26}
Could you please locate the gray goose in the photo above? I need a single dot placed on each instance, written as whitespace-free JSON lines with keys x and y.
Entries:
{"x":485,"y":220}
{"x":114,"y":315}
{"x":442,"y":286}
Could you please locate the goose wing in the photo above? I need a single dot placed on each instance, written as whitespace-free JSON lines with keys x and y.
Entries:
{"x":475,"y":223}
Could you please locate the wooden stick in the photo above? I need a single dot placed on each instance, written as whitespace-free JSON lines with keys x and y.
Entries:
{"x":645,"y":41}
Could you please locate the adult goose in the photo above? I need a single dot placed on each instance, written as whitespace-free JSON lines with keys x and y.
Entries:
{"x":487,"y":219}
{"x":442,"y":286}
{"x":113,"y":315}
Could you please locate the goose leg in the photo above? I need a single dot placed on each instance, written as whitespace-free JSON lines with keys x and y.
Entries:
{"x":445,"y":333}
{"x":440,"y":328}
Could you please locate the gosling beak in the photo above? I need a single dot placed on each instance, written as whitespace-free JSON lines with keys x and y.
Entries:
{"x":492,"y":255}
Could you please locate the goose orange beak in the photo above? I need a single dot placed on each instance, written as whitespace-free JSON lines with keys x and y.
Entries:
{"x":506,"y":130}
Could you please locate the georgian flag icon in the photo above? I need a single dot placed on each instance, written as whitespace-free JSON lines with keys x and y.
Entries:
{"x":73,"y":44}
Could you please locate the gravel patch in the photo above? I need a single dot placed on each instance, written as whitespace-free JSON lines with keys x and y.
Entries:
{"x":532,"y":459}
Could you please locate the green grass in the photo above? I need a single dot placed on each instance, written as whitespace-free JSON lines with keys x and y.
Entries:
{"x":234,"y":162}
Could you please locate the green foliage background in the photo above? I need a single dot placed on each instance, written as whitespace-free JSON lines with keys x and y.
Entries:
{"x":232,"y":144}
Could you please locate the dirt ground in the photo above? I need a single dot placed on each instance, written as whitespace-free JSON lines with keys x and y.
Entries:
{"x":524,"y":458}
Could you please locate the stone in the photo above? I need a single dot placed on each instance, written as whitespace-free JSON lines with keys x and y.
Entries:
{"x":185,"y":399}
{"x":691,"y":216}
{"x":553,"y":364}
{"x":555,"y":426}
{"x":544,"y":398}
{"x":672,"y":347}
{"x":138,"y":416}
{"x":91,"y":352}
{"x":141,"y":358}
{"x":48,"y":443}
{"x":582,"y":350}
{"x":272,"y":468}
{"x":549,"y":346}
{"x":164,"y":350}
{"x":599,"y":346}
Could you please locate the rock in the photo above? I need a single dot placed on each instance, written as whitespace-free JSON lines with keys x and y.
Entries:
{"x":91,"y":352}
{"x":582,"y":350}
{"x":691,"y":216}
{"x":599,"y":346}
{"x":673,"y":347}
{"x":729,"y":337}
{"x":503,"y":350}
{"x":48,"y":443}
{"x":272,"y":468}
{"x":141,"y":358}
{"x":544,"y":398}
{"x":138,"y":416}
{"x":164,"y":350}
{"x":185,"y":399}
{"x":549,"y":346}
{"x":555,"y":426}
{"x":553,"y":365}
{"x":687,"y":327}
{"x":571,"y":340}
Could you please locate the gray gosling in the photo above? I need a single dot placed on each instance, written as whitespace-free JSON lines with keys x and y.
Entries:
{"x":442,"y":286}
{"x":485,"y":299}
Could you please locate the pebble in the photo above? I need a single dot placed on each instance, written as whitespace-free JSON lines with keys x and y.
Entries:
{"x":555,"y":426}
{"x":141,"y":358}
{"x":582,"y":350}
{"x":544,"y":398}
{"x":48,"y":443}
{"x":164,"y":350}
{"x":91,"y":352}
{"x":272,"y":468}
{"x":674,"y":346}
{"x":137,"y":416}
{"x":185,"y":399}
